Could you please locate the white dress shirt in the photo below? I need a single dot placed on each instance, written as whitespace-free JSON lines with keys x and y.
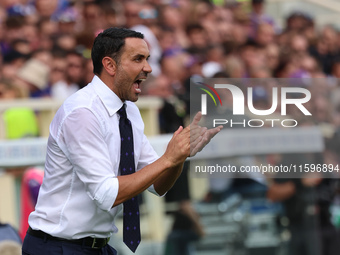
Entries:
{"x":82,"y":164}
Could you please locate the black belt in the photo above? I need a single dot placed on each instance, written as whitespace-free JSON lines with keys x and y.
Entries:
{"x":96,"y":243}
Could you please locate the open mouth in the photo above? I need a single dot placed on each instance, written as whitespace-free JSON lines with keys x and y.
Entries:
{"x":137,"y":84}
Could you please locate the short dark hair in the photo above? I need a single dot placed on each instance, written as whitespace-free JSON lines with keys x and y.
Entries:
{"x":110,"y":43}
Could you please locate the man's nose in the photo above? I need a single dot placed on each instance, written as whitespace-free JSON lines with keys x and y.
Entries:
{"x":147,"y":68}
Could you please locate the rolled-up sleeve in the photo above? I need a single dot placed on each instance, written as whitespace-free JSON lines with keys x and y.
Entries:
{"x":89,"y":154}
{"x":106,"y":194}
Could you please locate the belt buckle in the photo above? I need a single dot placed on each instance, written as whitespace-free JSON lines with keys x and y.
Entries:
{"x":94,"y":244}
{"x":101,"y":245}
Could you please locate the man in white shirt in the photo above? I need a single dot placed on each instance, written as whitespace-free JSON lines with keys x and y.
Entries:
{"x":83,"y":185}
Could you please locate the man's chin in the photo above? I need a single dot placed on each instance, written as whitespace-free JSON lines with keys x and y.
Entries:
{"x":135,"y":98}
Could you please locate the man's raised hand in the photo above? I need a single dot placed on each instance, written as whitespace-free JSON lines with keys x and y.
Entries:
{"x":200,"y":136}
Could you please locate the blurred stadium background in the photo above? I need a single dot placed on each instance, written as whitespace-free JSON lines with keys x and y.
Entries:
{"x":45,"y":57}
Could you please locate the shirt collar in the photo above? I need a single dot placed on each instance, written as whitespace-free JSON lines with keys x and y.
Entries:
{"x":110,"y":100}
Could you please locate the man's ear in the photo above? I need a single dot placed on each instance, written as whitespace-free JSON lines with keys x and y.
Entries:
{"x":109,"y":65}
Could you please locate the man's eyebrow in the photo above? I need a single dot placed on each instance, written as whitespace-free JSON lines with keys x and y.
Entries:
{"x":142,"y":55}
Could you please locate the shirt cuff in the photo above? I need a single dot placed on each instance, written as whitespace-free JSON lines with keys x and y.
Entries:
{"x":106,"y":194}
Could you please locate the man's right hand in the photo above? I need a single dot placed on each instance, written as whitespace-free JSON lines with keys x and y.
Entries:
{"x":178,"y":148}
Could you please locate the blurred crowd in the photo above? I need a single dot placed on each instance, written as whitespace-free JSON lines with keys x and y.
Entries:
{"x":46,"y":46}
{"x":45,"y":52}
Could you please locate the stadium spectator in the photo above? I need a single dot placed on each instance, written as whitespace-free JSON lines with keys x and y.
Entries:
{"x":8,"y":232}
{"x":30,"y":185}
{"x":258,"y":16}
{"x":71,"y":76}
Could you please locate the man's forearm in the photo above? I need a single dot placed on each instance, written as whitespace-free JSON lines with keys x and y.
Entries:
{"x":133,"y":184}
{"x":157,"y":173}
{"x":167,"y":179}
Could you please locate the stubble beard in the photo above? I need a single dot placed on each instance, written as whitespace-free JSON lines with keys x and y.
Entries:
{"x":125,"y":87}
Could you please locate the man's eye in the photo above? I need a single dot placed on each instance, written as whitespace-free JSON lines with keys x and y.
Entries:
{"x":138,"y":59}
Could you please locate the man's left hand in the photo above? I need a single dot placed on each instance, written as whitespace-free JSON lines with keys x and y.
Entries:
{"x":200,"y":136}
